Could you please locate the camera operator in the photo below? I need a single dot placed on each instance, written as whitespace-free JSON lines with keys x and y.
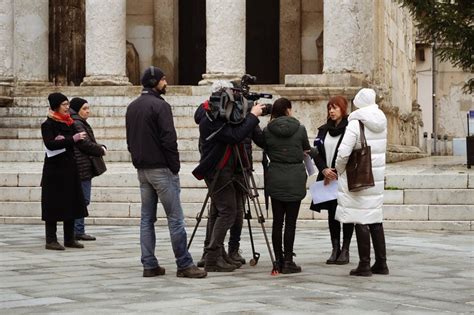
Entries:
{"x":236,"y":229}
{"x":219,"y":164}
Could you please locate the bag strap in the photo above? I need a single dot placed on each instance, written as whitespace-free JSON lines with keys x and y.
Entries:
{"x":363,"y":141}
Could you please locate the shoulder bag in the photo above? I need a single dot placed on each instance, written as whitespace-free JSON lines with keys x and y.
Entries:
{"x":359,"y":166}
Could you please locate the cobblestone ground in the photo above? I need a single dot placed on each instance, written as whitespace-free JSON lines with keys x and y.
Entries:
{"x":430,"y":272}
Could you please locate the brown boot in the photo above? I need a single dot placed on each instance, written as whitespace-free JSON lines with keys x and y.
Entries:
{"x":158,"y":271}
{"x":191,"y":272}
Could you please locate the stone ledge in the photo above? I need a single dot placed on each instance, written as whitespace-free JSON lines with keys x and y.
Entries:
{"x":320,"y":224}
{"x":326,"y":80}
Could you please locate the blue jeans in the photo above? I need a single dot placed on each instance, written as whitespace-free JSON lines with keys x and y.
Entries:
{"x":79,"y":226}
{"x":163,"y":184}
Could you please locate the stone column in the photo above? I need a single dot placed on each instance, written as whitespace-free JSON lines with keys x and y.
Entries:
{"x":225,"y":40}
{"x":290,"y":38}
{"x":31,"y":37}
{"x":165,"y":38}
{"x":6,"y":51}
{"x":349,"y":43}
{"x":106,"y":43}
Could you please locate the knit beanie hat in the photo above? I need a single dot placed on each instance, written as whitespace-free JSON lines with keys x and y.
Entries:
{"x":55,"y":100}
{"x":151,"y":76}
{"x":365,"y":97}
{"x":76,"y":103}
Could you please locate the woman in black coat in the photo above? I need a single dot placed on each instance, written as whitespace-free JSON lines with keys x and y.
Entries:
{"x":327,"y":142}
{"x":61,"y":192}
{"x":88,"y":154}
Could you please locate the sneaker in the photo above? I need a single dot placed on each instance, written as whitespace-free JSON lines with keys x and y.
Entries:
{"x":85,"y":237}
{"x":74,"y":244}
{"x":158,"y":271}
{"x":191,"y":272}
{"x":54,"y":246}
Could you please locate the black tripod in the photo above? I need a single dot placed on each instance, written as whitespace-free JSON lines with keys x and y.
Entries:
{"x":249,"y":188}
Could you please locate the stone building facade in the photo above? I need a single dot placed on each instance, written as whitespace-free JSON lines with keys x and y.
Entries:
{"x":306,"y":50}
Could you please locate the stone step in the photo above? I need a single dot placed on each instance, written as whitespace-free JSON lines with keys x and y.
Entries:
{"x":96,"y":111}
{"x":95,"y":122}
{"x":192,"y":209}
{"x":112,"y":144}
{"x":94,"y":101}
{"x":112,"y":156}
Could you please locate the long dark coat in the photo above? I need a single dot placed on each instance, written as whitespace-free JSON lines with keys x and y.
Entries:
{"x":61,"y":192}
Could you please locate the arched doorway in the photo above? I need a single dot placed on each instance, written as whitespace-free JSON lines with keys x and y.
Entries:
{"x":262,"y":40}
{"x":192,"y":41}
{"x":67,"y":51}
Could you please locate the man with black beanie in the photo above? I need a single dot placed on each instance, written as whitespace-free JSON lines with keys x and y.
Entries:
{"x":152,"y":142}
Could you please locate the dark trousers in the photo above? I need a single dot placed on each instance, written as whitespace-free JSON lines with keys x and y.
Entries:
{"x":335,"y":227}
{"x":51,"y":228}
{"x":287,"y":213}
{"x":227,"y":202}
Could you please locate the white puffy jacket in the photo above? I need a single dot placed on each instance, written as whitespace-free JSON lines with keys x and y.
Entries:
{"x":365,"y":206}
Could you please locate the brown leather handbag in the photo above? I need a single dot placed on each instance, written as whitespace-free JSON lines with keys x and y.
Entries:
{"x":359,"y":166}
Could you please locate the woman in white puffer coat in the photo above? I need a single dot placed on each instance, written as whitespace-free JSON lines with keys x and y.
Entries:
{"x":364,"y":208}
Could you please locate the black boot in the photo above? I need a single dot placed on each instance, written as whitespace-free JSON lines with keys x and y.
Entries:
{"x":363,"y":246}
{"x":378,"y":240}
{"x":234,"y":254}
{"x":216,"y":263}
{"x":289,"y":266}
{"x":202,"y":261}
{"x":336,"y":250}
{"x":343,"y":258}
{"x":229,"y":260}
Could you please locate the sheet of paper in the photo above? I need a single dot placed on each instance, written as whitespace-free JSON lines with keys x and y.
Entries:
{"x":51,"y":153}
{"x":308,"y":162}
{"x":321,"y":193}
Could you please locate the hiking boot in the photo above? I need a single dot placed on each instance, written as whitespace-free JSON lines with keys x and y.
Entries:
{"x":191,"y":272}
{"x":218,"y":265}
{"x":229,"y":260}
{"x":54,"y":246}
{"x":73,"y":244}
{"x":202,"y":261}
{"x":84,"y":237}
{"x":290,"y":267}
{"x":158,"y":271}
{"x":234,"y":254}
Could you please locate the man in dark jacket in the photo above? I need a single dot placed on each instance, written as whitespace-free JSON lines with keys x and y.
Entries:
{"x":219,"y":166}
{"x":152,"y":142}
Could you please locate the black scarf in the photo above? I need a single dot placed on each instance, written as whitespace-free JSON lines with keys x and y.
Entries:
{"x":334,"y":130}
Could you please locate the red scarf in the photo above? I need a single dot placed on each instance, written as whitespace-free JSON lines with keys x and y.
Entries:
{"x":64,"y":118}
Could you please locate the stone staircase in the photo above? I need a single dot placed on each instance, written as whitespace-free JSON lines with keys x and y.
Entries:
{"x":417,"y":196}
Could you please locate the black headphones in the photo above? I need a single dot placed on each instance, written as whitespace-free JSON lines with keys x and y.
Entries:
{"x":153,"y":81}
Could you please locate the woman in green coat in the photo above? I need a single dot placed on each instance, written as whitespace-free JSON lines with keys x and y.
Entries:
{"x":285,"y":140}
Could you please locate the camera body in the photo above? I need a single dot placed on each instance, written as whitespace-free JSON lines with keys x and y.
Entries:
{"x":233,"y":104}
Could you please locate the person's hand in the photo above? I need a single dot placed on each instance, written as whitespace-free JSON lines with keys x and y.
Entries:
{"x":59,"y":137}
{"x":306,"y":152}
{"x":257,"y":109}
{"x":79,"y":136}
{"x":329,"y":173}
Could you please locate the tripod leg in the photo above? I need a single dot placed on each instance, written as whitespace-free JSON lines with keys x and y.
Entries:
{"x":198,"y":219}
{"x":255,"y":255}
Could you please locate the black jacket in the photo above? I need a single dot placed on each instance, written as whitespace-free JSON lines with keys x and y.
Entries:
{"x":151,"y":136}
{"x":61,"y":191}
{"x":86,"y":149}
{"x":321,"y":163}
{"x":213,"y":150}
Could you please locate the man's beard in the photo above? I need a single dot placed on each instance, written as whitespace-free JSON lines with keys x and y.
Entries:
{"x":163,"y":90}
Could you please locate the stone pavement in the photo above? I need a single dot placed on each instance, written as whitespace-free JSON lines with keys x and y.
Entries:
{"x":430,"y":272}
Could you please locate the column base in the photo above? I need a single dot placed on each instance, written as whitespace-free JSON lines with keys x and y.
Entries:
{"x":209,"y":78}
{"x":102,"y":80}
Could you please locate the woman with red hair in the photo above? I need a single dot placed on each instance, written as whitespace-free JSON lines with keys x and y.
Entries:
{"x":328,"y":140}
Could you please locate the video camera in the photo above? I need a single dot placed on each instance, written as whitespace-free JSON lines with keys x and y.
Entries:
{"x":233,"y":104}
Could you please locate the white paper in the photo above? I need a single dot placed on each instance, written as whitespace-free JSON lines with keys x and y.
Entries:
{"x":51,"y":153}
{"x":321,"y":193}
{"x":308,"y":162}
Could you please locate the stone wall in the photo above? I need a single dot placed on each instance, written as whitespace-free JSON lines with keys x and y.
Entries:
{"x":311,"y":30}
{"x":140,"y":29}
{"x":393,"y":74}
